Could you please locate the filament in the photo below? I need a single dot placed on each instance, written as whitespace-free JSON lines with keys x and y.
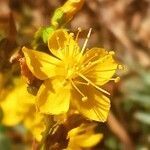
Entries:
{"x":90,"y":64}
{"x":78,"y":90}
{"x":86,"y":40}
{"x":57,"y":38}
{"x":96,"y":71}
{"x":96,"y":54}
{"x":83,"y":83}
{"x":77,"y":36}
{"x":90,"y":82}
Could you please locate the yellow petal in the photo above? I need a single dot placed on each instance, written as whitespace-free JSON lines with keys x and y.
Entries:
{"x":62,"y":44}
{"x":34,"y":122}
{"x":83,"y":137}
{"x":101,"y":72}
{"x":53,"y":97}
{"x":10,"y":115}
{"x":88,"y":140}
{"x":42,"y":65}
{"x":96,"y":107}
{"x":16,"y":105}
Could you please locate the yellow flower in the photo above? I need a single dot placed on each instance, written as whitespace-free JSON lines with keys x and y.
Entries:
{"x":72,"y":77}
{"x":83,"y":137}
{"x":18,"y":106}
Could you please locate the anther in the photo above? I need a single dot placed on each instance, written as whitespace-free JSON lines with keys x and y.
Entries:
{"x":89,"y":63}
{"x":117,"y":79}
{"x":77,"y":36}
{"x":77,"y":68}
{"x":87,"y":38}
{"x":57,"y":38}
{"x":87,"y":55}
{"x":96,"y":54}
{"x":121,"y":67}
{"x":72,"y":34}
{"x":112,"y":53}
{"x":79,"y":29}
{"x":65,"y":82}
{"x":84,"y":99}
{"x":82,"y":66}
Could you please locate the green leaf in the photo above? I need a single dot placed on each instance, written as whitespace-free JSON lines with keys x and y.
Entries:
{"x":140,"y":98}
{"x":5,"y":143}
{"x":47,"y":32}
{"x":41,"y":36}
{"x":143,"y":117}
{"x":112,"y":143}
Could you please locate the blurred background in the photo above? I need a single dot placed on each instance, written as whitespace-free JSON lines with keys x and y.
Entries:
{"x":119,"y":25}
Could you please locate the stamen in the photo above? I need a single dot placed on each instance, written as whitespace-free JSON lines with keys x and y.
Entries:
{"x":117,"y":79}
{"x":83,"y":83}
{"x":78,"y":90}
{"x":68,"y":43}
{"x":86,"y":40}
{"x":100,"y":60}
{"x":96,"y":54}
{"x":96,"y":71}
{"x":77,"y":36}
{"x":84,"y":99}
{"x":90,"y":63}
{"x":111,"y":53}
{"x":74,"y":51}
{"x":105,"y":70}
{"x":90,"y":82}
{"x":72,"y":34}
{"x":122,"y":67}
{"x":87,"y":55}
{"x":66,"y":50}
{"x":58,"y":42}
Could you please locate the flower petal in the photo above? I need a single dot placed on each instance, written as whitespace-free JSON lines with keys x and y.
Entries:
{"x":104,"y":69}
{"x":53,"y":97}
{"x":96,"y":107}
{"x":88,"y":141}
{"x":34,"y":122}
{"x":62,"y":44}
{"x":12,"y":114}
{"x":40,"y":64}
{"x":83,"y":137}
